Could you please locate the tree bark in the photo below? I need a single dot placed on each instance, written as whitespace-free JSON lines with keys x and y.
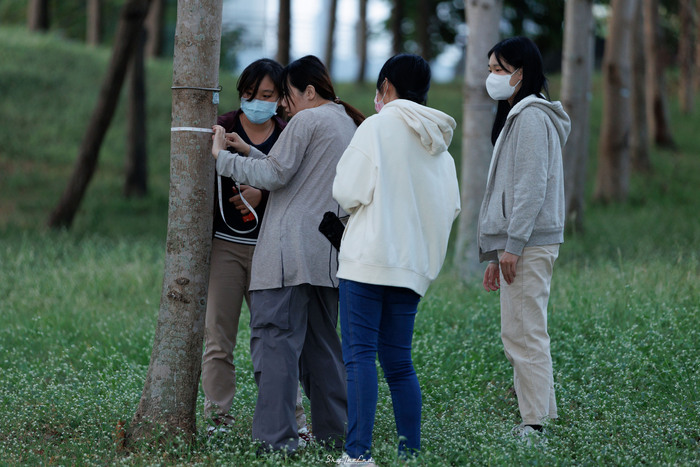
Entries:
{"x":284,"y":32}
{"x":362,"y":42}
{"x":612,"y":180}
{"x":577,"y":69}
{"x":94,"y":22}
{"x":38,"y":15}
{"x":169,"y":395}
{"x":696,"y":74}
{"x":423,"y":27}
{"x":639,"y":141}
{"x":397,"y":16}
{"x":483,"y":17}
{"x":685,"y":55}
{"x":136,"y":180}
{"x":130,"y":23}
{"x":154,"y":28}
{"x":657,"y":107}
{"x":330,"y":33}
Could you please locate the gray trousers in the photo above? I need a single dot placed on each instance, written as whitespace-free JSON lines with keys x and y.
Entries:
{"x":293,"y":338}
{"x":229,"y":276}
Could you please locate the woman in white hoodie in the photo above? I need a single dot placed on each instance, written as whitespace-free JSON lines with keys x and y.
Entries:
{"x":399,"y":185}
{"x":521,"y":223}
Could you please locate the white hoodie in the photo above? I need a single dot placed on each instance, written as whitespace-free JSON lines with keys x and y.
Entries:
{"x":399,"y":184}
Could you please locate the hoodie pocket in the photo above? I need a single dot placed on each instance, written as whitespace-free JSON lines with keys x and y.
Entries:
{"x":494,"y":221}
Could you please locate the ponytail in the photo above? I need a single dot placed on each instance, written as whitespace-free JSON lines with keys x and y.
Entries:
{"x":352,"y":112}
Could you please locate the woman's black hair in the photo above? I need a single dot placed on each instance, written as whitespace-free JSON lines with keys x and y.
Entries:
{"x":409,"y":74}
{"x":309,"y":70}
{"x":520,"y":53}
{"x":255,"y":72}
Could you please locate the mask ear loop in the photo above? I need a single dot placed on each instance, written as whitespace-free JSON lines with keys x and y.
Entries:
{"x":386,"y":80}
{"x":511,"y":75}
{"x":245,"y":203}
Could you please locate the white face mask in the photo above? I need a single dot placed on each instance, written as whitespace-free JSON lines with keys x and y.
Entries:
{"x":498,"y":86}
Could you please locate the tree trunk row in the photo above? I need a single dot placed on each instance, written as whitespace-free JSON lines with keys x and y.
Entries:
{"x":362,"y":42}
{"x":126,"y":40}
{"x":577,"y":70}
{"x":284,"y":32}
{"x":612,"y":179}
{"x":330,"y":33}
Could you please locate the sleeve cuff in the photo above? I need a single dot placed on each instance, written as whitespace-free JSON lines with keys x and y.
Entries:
{"x":515,"y":246}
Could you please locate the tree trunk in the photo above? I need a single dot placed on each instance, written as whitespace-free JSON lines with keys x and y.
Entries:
{"x":284,"y":32}
{"x":330,"y":33}
{"x":423,"y":25}
{"x":657,"y":107}
{"x":639,"y":142}
{"x":612,"y":180}
{"x":154,"y":29}
{"x":685,"y":55}
{"x":38,"y":15}
{"x":130,"y":23}
{"x":483,"y":17}
{"x":696,"y":74}
{"x":169,"y":395}
{"x":94,"y":22}
{"x":397,"y":16}
{"x":362,"y":43}
{"x":577,"y":69}
{"x":136,"y":180}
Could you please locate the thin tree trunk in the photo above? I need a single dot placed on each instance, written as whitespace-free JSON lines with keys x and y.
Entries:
{"x":330,"y":33}
{"x":130,"y":23}
{"x":577,"y":69}
{"x":136,"y":180}
{"x":483,"y":17}
{"x":397,"y":16}
{"x":612,"y":179}
{"x":696,"y":74}
{"x":639,"y":142}
{"x":284,"y":32}
{"x":657,"y":107}
{"x":38,"y":15}
{"x":685,"y":55}
{"x":154,"y":28}
{"x":94,"y":22}
{"x":169,"y":395}
{"x":362,"y":42}
{"x":423,"y":25}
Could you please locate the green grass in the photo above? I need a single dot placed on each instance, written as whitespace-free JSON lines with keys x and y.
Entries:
{"x":79,"y":308}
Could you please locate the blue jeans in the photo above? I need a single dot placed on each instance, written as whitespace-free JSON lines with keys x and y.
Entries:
{"x":377,"y":319}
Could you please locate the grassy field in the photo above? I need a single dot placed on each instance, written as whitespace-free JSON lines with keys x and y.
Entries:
{"x":79,"y":308}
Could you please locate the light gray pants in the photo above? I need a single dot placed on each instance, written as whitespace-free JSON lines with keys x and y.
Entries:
{"x":229,"y":276}
{"x":293,"y":334}
{"x":524,"y":332}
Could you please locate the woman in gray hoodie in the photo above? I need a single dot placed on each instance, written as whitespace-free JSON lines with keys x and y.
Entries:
{"x":521,"y":222}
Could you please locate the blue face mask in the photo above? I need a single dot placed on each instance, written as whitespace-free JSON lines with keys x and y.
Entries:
{"x":258,"y":111}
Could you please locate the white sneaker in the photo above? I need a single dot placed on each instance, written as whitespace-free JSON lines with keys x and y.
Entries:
{"x":211,"y":429}
{"x":306,"y":438}
{"x":529,"y":435}
{"x":347,"y":461}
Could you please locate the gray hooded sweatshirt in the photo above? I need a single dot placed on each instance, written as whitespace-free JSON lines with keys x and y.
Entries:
{"x":524,"y":202}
